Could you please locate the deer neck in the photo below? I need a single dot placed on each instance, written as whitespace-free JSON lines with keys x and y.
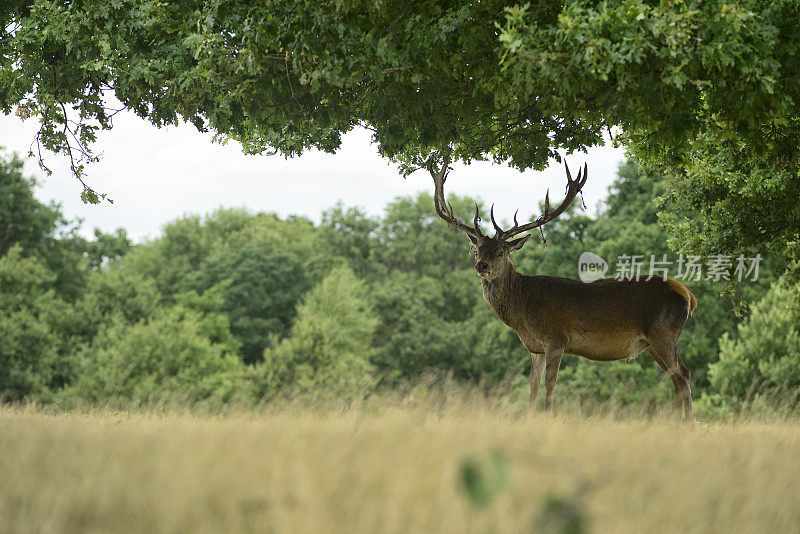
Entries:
{"x":498,"y":293}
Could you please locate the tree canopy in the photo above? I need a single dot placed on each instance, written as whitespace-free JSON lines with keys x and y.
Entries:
{"x":704,"y":92}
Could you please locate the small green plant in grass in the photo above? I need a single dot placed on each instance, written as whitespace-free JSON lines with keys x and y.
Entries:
{"x":483,"y":477}
{"x":561,"y":515}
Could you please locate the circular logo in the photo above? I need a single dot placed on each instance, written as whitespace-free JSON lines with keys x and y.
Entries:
{"x":591,"y":267}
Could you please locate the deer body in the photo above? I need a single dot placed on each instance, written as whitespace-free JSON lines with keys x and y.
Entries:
{"x":605,"y":320}
{"x":547,"y":311}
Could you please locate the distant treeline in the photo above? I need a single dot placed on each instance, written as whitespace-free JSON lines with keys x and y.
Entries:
{"x":237,"y":307}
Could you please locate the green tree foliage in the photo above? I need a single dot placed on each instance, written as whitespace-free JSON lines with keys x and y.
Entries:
{"x":327,"y":350}
{"x":107,"y":247}
{"x":723,"y":201}
{"x":763,"y":359}
{"x":261,"y":259}
{"x":704,"y":93}
{"x":664,"y":72}
{"x":348,"y":235}
{"x":23,"y":219}
{"x":278,"y":76}
{"x":118,"y":293}
{"x":45,"y":273}
{"x":40,"y":229}
{"x":29,"y":345}
{"x":184,"y":353}
{"x":418,"y":331}
{"x":188,"y":241}
{"x":412,"y":238}
{"x":262,"y":288}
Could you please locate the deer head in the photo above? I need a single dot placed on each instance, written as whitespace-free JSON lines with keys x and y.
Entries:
{"x":492,"y":253}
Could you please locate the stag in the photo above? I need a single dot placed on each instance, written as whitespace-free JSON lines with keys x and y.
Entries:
{"x":605,"y":320}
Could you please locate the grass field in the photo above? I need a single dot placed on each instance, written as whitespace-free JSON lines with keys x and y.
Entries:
{"x":391,"y":470}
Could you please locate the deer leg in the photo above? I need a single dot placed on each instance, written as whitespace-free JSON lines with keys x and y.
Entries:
{"x":666,"y":356}
{"x":553,"y":362}
{"x":537,"y":369}
{"x":686,"y":375}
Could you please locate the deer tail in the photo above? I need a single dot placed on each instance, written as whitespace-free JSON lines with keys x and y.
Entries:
{"x":682,"y":290}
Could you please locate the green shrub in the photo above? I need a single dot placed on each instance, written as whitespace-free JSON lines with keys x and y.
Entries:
{"x":327,"y":350}
{"x":263,"y":287}
{"x":763,"y":361}
{"x":28,"y":344}
{"x":640,"y":383}
{"x":180,"y":354}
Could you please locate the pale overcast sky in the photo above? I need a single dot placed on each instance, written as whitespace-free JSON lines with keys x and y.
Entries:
{"x":156,"y":175}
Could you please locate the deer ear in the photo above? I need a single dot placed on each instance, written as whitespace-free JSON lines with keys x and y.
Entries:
{"x":517,"y":243}
{"x":473,"y":239}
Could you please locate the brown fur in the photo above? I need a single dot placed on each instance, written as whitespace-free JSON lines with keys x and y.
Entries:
{"x":683,"y":291}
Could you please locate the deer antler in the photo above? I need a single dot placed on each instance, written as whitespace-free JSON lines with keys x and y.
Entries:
{"x":573,"y":188}
{"x":443,"y":209}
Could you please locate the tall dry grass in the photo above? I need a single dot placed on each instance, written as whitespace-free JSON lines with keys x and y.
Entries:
{"x":396,"y":465}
